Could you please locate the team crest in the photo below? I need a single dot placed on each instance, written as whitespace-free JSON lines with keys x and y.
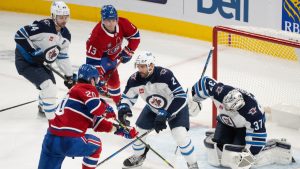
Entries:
{"x":141,"y":91}
{"x":156,"y":101}
{"x":252,"y":111}
{"x":47,"y":22}
{"x":227,"y":120}
{"x":219,"y":90}
{"x":133,"y":77}
{"x":51,"y":38}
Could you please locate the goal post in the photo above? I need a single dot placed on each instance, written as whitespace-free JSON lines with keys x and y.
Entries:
{"x":253,"y":59}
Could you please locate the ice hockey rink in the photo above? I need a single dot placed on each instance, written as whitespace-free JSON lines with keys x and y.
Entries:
{"x":22,"y":131}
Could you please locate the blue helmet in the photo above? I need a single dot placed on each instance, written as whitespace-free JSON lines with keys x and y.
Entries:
{"x":86,"y":72}
{"x":109,"y":12}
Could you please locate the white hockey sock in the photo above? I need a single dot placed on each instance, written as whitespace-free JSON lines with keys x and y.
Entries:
{"x":48,"y":97}
{"x":185,"y":144}
{"x":138,"y":146}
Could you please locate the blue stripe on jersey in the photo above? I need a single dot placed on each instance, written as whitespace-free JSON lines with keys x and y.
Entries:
{"x":77,"y":106}
{"x":89,"y":161}
{"x":256,"y":143}
{"x":134,"y":36}
{"x":177,"y":89}
{"x":93,"y":61}
{"x":203,"y":86}
{"x":257,"y":134}
{"x":181,"y":95}
{"x":114,"y":91}
{"x":62,"y":56}
{"x":24,"y":53}
{"x":93,"y":103}
{"x":24,"y":32}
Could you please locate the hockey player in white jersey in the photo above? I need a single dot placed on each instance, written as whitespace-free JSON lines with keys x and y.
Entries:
{"x":239,"y":140}
{"x":40,"y":43}
{"x":165,"y":100}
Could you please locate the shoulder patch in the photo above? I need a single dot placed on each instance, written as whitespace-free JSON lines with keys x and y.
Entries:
{"x":133,"y":77}
{"x":163,"y":71}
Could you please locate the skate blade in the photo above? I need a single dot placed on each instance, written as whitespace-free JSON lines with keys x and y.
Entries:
{"x":135,"y":167}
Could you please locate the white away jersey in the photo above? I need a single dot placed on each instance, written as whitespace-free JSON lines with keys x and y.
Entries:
{"x":161,"y":90}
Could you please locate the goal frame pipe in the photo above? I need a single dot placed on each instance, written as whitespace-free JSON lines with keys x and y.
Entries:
{"x":229,"y":30}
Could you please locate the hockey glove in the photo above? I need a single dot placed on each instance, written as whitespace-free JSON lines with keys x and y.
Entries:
{"x":129,"y":134}
{"x":160,"y":121}
{"x":109,"y":111}
{"x":126,"y":55}
{"x":70,"y":81}
{"x":38,"y":56}
{"x":123,"y":112}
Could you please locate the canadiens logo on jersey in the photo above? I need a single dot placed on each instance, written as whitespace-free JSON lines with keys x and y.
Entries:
{"x":156,"y":101}
{"x":51,"y":38}
{"x":141,"y":91}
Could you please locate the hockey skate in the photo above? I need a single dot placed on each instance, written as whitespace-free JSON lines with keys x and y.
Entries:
{"x":193,"y":166}
{"x":41,"y":113}
{"x":135,"y":161}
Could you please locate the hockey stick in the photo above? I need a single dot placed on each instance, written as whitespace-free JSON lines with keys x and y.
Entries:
{"x":48,"y":66}
{"x":206,"y":63}
{"x":202,"y":74}
{"x":147,"y":145}
{"x":121,"y":149}
{"x":17,"y":105}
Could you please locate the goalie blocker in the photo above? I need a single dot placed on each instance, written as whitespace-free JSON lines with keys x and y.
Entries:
{"x":237,"y":157}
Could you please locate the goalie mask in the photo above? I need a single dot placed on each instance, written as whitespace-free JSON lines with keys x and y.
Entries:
{"x":233,"y":101}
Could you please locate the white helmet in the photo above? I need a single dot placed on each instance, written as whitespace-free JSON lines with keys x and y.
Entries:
{"x":233,"y":101}
{"x":59,"y":8}
{"x":145,"y":58}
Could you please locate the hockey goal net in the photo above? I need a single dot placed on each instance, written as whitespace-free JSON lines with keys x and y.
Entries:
{"x":262,"y":61}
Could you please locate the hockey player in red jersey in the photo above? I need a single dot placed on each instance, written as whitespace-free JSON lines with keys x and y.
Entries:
{"x":103,"y":49}
{"x":81,"y":109}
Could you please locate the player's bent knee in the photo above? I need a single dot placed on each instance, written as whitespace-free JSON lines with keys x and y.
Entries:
{"x":48,"y":96}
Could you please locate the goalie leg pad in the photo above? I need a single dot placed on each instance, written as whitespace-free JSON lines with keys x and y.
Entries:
{"x":235,"y":157}
{"x":48,"y":98}
{"x":213,"y":152}
{"x":185,"y":144}
{"x":275,"y":151}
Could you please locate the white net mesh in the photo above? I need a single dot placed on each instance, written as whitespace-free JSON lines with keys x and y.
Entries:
{"x":245,"y":62}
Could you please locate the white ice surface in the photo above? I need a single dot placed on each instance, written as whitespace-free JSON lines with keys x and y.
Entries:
{"x":21,"y":132}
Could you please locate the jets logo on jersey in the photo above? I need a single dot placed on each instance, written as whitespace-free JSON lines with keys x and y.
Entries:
{"x":227,"y":120}
{"x":252,"y":111}
{"x":156,"y":101}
